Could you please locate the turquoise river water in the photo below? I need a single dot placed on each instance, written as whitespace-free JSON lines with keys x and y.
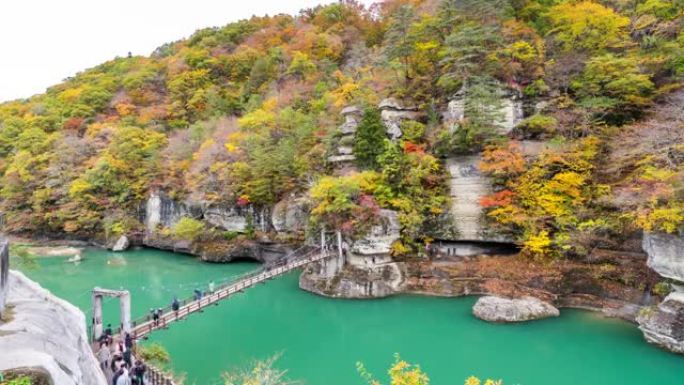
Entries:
{"x":320,"y":340}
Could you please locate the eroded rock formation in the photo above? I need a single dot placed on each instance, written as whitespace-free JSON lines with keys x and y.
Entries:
{"x":394,"y":112}
{"x":664,"y":325}
{"x":364,"y":270}
{"x":343,"y":157}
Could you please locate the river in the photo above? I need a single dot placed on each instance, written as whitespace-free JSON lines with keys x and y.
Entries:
{"x":320,"y":340}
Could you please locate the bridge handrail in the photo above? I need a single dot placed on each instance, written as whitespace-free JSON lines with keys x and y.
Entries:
{"x":234,"y":280}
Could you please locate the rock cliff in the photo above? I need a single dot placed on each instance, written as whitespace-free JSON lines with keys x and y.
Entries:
{"x":665,"y":254}
{"x":364,"y":270}
{"x":394,"y":112}
{"x":664,"y":325}
{"x":45,"y":334}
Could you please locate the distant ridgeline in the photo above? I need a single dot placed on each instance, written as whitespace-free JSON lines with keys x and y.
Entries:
{"x":553,"y":125}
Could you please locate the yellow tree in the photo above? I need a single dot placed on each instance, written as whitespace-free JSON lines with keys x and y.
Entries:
{"x":587,"y":25}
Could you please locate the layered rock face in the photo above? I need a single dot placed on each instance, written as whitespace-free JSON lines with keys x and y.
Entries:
{"x":595,"y":284}
{"x":498,"y":309}
{"x":288,"y":216}
{"x":364,"y":270}
{"x":665,"y":254}
{"x":163,"y":211}
{"x":510,"y":112}
{"x":467,"y":184}
{"x":46,"y":334}
{"x":393,"y":113}
{"x":664,"y":325}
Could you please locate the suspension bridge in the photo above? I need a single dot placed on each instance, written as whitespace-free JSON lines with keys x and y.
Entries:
{"x":142,"y":327}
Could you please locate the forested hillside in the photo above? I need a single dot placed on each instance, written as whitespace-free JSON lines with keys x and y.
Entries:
{"x":246,"y":114}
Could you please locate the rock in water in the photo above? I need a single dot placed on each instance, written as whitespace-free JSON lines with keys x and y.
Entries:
{"x":497,"y":309}
{"x":664,"y":325}
{"x":121,"y":244}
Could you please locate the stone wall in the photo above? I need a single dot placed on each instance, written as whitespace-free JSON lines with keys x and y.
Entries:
{"x":47,"y":334}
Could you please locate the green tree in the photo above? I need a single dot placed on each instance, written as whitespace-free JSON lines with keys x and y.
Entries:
{"x":465,"y":51}
{"x":399,"y":42}
{"x":188,"y":228}
{"x":368,"y":142}
{"x":614,"y":87}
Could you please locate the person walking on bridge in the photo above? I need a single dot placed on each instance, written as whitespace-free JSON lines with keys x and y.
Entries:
{"x":108,"y":331}
{"x":128,"y":341}
{"x":139,"y":373}
{"x":124,"y":377}
{"x":211,"y":287}
{"x":155,"y":317}
{"x":175,"y":305}
{"x":104,"y":355}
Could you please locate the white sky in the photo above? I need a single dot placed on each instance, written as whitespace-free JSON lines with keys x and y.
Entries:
{"x":44,"y":41}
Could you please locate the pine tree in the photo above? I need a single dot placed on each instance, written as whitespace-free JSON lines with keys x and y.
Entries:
{"x":368,"y":143}
{"x":399,"y":42}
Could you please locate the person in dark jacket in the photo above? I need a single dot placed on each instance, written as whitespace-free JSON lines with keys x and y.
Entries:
{"x":128,"y":341}
{"x":139,"y":373}
{"x":175,"y":305}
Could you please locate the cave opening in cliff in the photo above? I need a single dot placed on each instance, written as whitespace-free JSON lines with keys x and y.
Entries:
{"x":446,"y":248}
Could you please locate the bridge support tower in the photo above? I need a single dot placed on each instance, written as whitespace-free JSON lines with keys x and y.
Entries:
{"x":124,"y":297}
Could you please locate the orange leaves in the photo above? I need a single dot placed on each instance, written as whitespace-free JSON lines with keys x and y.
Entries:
{"x":501,"y":198}
{"x":410,"y":148}
{"x":73,"y":123}
{"x":501,"y":161}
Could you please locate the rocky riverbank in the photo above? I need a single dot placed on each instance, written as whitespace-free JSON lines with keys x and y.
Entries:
{"x":45,"y":335}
